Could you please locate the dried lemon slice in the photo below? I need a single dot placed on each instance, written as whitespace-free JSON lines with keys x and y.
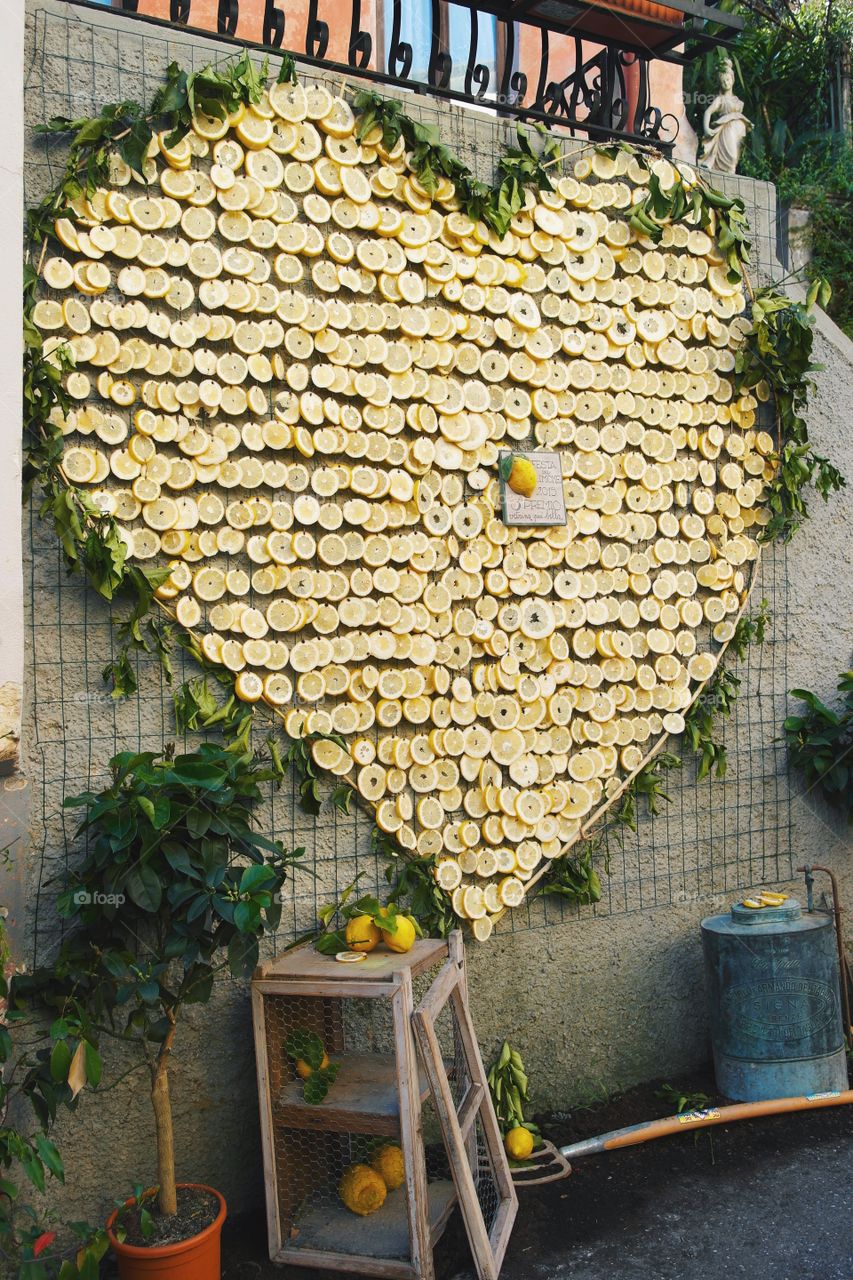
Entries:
{"x":79,"y":464}
{"x":209,"y":584}
{"x":254,"y":131}
{"x":339,"y":120}
{"x":248,"y":686}
{"x":448,"y":874}
{"x":511,"y":891}
{"x":48,"y":315}
{"x":147,"y":213}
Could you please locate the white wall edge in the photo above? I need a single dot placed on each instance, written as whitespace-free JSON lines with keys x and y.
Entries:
{"x":11,"y":282}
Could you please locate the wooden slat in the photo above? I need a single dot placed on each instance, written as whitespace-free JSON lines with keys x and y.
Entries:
{"x":470,"y":1107}
{"x":363,"y":1099}
{"x":488,"y":1119}
{"x":437,"y":996}
{"x":326,"y":990}
{"x":411,"y":1133}
{"x":455,"y":1146}
{"x":456,"y":951}
{"x":502,"y":1230}
{"x":304,"y":964}
{"x":267,"y":1146}
{"x":487,"y":1246}
{"x":343,"y":1263}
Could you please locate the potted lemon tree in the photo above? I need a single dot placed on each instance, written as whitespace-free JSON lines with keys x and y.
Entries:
{"x":175,"y":885}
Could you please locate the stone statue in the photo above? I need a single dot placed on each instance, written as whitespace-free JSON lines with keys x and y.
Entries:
{"x":723,"y":140}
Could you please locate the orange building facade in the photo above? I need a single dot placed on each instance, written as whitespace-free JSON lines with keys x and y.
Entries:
{"x":324,"y":29}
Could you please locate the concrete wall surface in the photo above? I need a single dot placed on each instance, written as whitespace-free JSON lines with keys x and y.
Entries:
{"x":595,"y":999}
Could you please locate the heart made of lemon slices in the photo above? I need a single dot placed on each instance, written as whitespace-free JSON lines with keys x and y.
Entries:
{"x":295,"y":372}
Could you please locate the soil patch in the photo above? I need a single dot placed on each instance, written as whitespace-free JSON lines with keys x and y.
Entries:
{"x":196,"y":1210}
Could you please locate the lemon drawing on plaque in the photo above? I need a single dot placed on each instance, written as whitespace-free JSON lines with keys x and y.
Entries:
{"x":519,"y":474}
{"x":295,"y":373}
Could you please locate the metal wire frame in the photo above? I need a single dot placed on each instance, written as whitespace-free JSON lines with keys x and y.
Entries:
{"x":714,"y":838}
{"x":592,"y":100}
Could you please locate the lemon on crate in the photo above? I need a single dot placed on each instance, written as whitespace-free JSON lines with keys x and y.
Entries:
{"x":403,"y":937}
{"x":362,"y":934}
{"x":362,"y":1190}
{"x":304,"y":1069}
{"x":519,"y":1143}
{"x":387,"y":1161}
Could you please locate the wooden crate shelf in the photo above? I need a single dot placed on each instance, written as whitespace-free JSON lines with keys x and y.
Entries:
{"x":383,"y":1235}
{"x":377,"y":1096}
{"x":363,"y":1099}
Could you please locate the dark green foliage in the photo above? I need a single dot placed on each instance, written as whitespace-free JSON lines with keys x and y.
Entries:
{"x":197,"y":708}
{"x":412,"y":885}
{"x":716,"y":699}
{"x":307,"y":1046}
{"x":299,"y":755}
{"x":647,"y":785}
{"x":778,"y":353}
{"x":723,"y":217}
{"x":786,"y":61}
{"x":750,"y":629}
{"x":820,"y":743}
{"x":175,"y":883}
{"x":682,"y":1101}
{"x":34,"y":1084}
{"x":574,"y":876}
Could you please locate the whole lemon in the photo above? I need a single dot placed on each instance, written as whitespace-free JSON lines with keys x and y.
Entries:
{"x":362,"y":1189}
{"x":519,"y":1143}
{"x":404,"y":937}
{"x":387,"y":1160}
{"x":362,"y":934}
{"x":522,"y":477}
{"x":304,"y":1069}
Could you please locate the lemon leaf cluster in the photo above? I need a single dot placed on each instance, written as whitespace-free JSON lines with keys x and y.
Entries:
{"x":778,"y":350}
{"x":519,"y":167}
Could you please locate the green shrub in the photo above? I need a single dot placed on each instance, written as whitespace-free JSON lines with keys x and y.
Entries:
{"x":784,"y":68}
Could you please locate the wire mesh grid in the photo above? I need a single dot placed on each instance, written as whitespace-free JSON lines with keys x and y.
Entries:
{"x":713,"y":838}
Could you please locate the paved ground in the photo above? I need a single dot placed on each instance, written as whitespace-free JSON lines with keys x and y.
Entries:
{"x":761,"y":1199}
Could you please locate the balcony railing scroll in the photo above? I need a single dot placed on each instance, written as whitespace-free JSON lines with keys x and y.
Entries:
{"x":581,"y":64}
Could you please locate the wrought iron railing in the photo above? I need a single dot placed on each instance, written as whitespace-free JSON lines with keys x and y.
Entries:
{"x":608,"y":48}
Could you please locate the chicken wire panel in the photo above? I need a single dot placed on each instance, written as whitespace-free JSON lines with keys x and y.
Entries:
{"x":712,"y":839}
{"x":310,"y":1171}
{"x":459,"y":1079}
{"x":452,"y":1049}
{"x":485,"y":1177}
{"x":315,"y":1145}
{"x":471,"y":1136}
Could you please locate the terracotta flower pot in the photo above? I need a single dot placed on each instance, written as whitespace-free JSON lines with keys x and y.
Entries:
{"x":193,"y":1259}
